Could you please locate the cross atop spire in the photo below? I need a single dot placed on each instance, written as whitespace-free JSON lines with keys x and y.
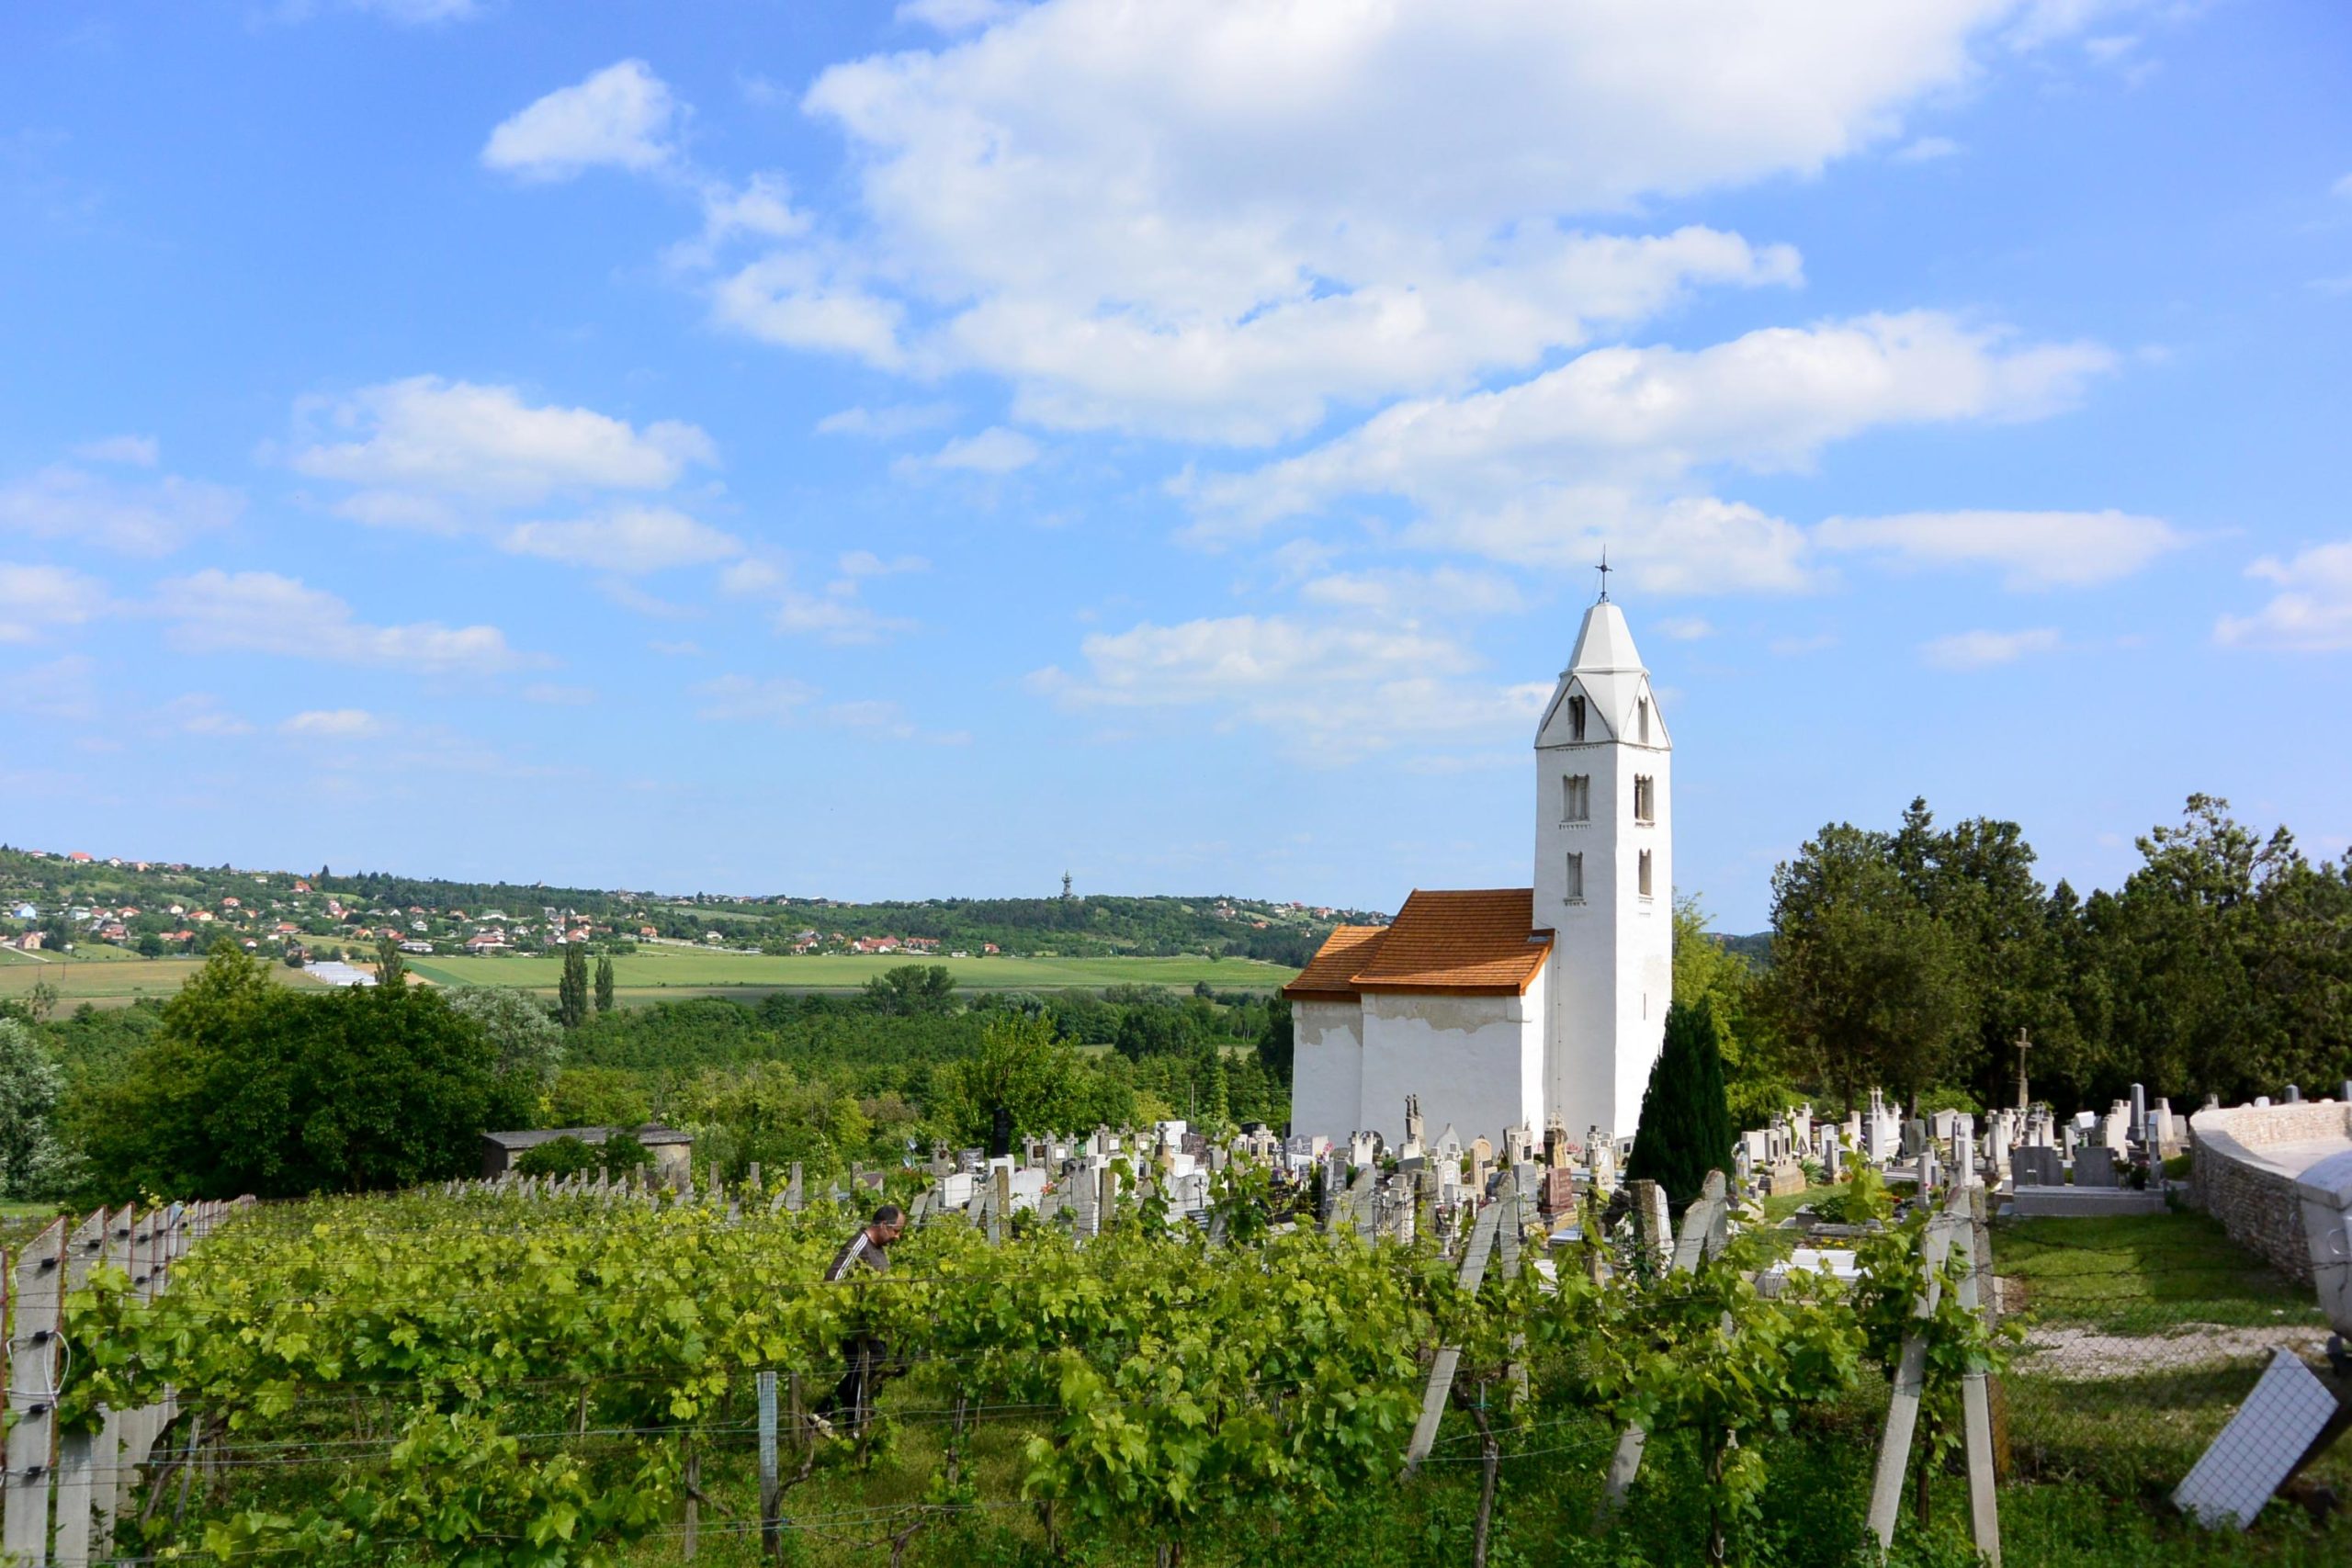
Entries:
{"x":1604,"y":574}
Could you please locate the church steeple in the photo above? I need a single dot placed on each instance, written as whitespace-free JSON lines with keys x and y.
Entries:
{"x":1603,"y":871}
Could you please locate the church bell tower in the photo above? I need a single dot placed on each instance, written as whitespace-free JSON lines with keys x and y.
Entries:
{"x":1604,"y":877}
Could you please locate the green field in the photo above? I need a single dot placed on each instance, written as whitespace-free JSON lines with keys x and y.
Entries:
{"x":653,"y":972}
{"x":112,"y":982}
{"x":666,"y":973}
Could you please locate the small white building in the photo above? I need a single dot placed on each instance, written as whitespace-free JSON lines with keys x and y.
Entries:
{"x":1506,"y":1007}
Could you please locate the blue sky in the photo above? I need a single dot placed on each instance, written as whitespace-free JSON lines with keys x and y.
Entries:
{"x":908,"y":451}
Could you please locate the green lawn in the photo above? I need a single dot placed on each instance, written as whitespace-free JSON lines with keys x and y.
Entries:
{"x":2143,"y":1332}
{"x":116,"y":981}
{"x":653,"y":972}
{"x":2137,"y":1274}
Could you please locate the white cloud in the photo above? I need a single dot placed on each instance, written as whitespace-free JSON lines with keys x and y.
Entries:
{"x":1686,"y":629}
{"x":1409,"y":594}
{"x":554,"y":695}
{"x":888,"y":423}
{"x":793,"y":300}
{"x":35,"y":599}
{"x":334,"y":724}
{"x":775,"y":699}
{"x":1213,"y":219}
{"x":1333,"y":693}
{"x":760,"y":208}
{"x":2035,"y":549}
{"x":995,"y":450}
{"x":632,"y":541}
{"x":621,"y":116}
{"x":485,"y":443}
{"x":888,"y":719}
{"x":955,"y":15}
{"x":135,"y":451}
{"x":1606,"y":447}
{"x":199,"y":712}
{"x":152,"y":518}
{"x":261,"y":611}
{"x":837,"y":614}
{"x":2313,"y":611}
{"x":2343,"y":188}
{"x":865,"y":563}
{"x":1982,"y":650}
{"x":407,"y":12}
{"x":1927,"y":148}
{"x":63,"y":688}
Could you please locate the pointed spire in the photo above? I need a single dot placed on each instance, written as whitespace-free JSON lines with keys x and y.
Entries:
{"x":1604,"y":642}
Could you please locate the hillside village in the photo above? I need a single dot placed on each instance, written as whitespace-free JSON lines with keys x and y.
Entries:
{"x":54,"y":902}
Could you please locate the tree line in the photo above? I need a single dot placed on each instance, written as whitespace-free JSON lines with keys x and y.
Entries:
{"x":1911,"y":958}
{"x":243,"y":1084}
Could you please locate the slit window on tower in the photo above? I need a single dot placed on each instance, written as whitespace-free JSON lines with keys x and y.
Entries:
{"x":1645,"y":874}
{"x":1575,"y":718}
{"x":1644,"y":798}
{"x":1576,"y":797}
{"x":1575,"y":878}
{"x":1645,"y":720}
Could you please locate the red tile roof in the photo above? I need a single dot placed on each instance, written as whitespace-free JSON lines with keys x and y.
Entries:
{"x":1328,"y":975}
{"x":1476,"y":942}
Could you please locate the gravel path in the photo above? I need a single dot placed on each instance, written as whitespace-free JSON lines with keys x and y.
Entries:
{"x":2086,"y":1355}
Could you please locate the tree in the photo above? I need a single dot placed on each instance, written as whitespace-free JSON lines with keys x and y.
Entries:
{"x":391,"y":969}
{"x":251,"y":1087}
{"x":1022,"y":1069}
{"x":33,"y":1163}
{"x":571,"y":991}
{"x":1867,"y":986}
{"x":913,"y":989}
{"x":1705,"y":970}
{"x":604,"y":984}
{"x":1685,"y":1130}
{"x":526,"y":1043}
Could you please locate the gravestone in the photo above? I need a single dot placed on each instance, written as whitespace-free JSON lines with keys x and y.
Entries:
{"x":2287,"y":1411}
{"x":2036,"y":1165}
{"x":1832,"y":1157}
{"x":2294,"y":1095}
{"x":2095,"y":1167}
{"x":2139,"y":1107}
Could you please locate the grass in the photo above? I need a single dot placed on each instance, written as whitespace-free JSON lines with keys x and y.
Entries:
{"x":115,"y":983}
{"x":2138,"y":1274}
{"x":111,"y":977}
{"x":2144,"y":1334}
{"x":651,"y":972}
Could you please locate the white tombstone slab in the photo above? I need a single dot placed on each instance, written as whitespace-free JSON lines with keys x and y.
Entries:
{"x":2288,"y":1407}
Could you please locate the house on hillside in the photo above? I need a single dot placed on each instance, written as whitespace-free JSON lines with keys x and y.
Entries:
{"x":672,"y":1151}
{"x":487,"y":942}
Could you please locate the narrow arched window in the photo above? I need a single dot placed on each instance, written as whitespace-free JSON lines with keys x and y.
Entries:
{"x":1646,"y":721}
{"x":1575,"y":718}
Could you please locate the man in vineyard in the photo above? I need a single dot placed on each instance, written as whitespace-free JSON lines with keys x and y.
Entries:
{"x":863,"y":1352}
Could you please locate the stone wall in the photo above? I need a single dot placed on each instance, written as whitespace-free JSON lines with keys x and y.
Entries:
{"x":2244,"y":1162}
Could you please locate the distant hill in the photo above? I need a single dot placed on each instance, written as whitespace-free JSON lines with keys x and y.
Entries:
{"x":1757,"y":949}
{"x":143,"y":904}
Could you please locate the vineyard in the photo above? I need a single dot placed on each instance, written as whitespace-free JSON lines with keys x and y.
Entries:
{"x":490,"y":1378}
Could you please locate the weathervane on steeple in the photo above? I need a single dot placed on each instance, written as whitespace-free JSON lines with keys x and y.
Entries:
{"x":1604,"y":574}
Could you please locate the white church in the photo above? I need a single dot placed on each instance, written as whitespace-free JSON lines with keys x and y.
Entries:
{"x":1513,"y":1007}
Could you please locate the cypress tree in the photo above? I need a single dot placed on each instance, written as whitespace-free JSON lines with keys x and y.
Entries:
{"x":571,"y":991}
{"x":1685,"y":1130}
{"x":605,"y":985}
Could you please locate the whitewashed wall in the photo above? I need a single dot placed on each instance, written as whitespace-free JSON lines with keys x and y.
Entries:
{"x":1476,"y":1062}
{"x":1327,"y":1069}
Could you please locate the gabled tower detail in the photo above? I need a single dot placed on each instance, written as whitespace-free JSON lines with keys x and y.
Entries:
{"x":1604,"y":876}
